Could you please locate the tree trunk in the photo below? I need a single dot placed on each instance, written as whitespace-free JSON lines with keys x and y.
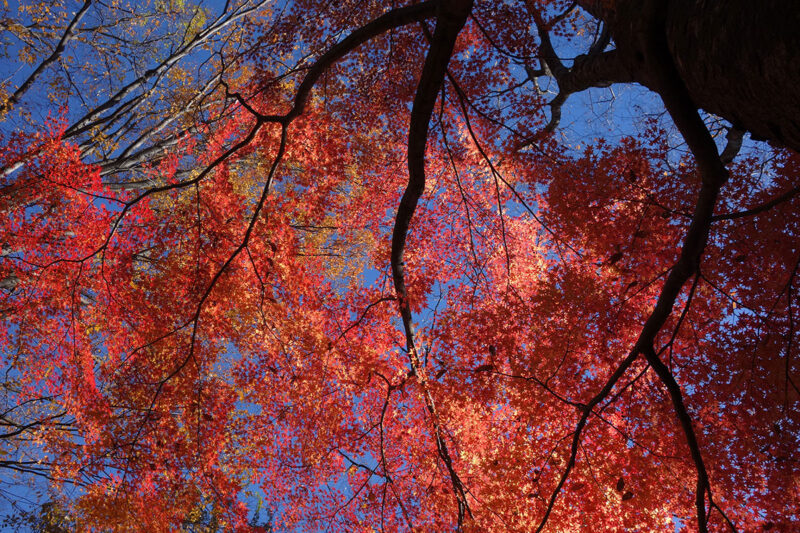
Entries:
{"x":739,"y":59}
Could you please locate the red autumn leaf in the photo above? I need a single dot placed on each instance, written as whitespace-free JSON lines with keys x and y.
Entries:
{"x":241,"y":246}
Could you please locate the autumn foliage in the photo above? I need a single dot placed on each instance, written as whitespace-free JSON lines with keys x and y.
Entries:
{"x":348,"y":262}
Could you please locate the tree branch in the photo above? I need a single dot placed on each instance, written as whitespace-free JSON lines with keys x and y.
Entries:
{"x":663,"y":76}
{"x":451,"y":17}
{"x":59,"y":49}
{"x":594,"y":69}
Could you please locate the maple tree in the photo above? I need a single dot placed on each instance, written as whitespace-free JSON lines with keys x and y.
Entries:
{"x":345,"y":257}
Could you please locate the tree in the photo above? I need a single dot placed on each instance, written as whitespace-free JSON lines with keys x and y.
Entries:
{"x":49,"y":517}
{"x":346,"y":256}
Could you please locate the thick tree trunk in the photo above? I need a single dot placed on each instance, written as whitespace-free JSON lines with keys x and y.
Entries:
{"x":739,"y":59}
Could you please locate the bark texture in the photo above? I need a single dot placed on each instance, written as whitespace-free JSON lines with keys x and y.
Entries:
{"x":738,"y":59}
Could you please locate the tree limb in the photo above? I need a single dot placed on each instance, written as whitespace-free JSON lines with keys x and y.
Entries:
{"x":59,"y":49}
{"x":451,"y":17}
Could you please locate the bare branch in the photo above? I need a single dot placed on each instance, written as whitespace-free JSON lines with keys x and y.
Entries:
{"x":59,"y":49}
{"x":451,"y":17}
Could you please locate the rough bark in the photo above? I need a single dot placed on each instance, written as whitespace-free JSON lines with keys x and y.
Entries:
{"x":738,"y":59}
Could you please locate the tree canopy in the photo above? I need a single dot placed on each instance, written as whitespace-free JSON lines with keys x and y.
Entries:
{"x":400,"y":266}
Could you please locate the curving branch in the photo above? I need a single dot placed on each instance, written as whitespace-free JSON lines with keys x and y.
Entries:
{"x":663,"y":77}
{"x":596,"y":68}
{"x":663,"y":72}
{"x":390,"y":20}
{"x":766,"y":206}
{"x":451,"y":17}
{"x":587,"y":410}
